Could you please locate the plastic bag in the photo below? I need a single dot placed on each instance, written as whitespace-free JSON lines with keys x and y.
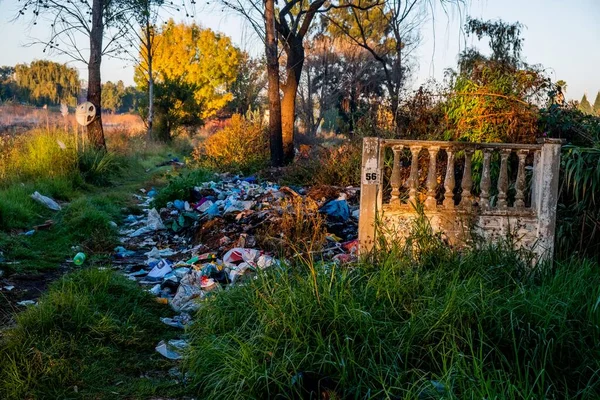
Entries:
{"x":47,"y":201}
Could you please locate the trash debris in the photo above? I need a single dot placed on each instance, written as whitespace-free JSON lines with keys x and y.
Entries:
{"x":179,"y":321}
{"x":435,"y":390}
{"x":122,"y":252}
{"x":28,"y":233}
{"x":196,"y":247}
{"x":169,"y":349}
{"x":153,"y":223}
{"x":8,"y":288}
{"x":162,"y":268}
{"x":337,"y":209}
{"x":26,"y":303}
{"x":46,"y":225}
{"x":46,"y":201}
{"x":79,"y":258}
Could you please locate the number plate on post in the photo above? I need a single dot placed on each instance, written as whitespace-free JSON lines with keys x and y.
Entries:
{"x":370,"y":176}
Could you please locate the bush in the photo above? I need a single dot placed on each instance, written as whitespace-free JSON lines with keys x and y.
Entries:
{"x":337,"y":166}
{"x":240,"y":147}
{"x":37,"y":154}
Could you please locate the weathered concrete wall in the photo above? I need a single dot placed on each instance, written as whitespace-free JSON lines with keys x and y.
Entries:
{"x":528,"y":221}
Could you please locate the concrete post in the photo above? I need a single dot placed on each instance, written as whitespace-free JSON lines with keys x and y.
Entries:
{"x":369,"y":193}
{"x":546,"y":193}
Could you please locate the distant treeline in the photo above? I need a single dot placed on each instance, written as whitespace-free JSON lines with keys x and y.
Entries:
{"x":49,"y":83}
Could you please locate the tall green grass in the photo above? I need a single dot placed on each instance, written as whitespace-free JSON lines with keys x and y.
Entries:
{"x":482,"y":324}
{"x":91,"y":336}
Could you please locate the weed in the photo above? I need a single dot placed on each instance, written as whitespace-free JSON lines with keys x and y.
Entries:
{"x":180,"y":187}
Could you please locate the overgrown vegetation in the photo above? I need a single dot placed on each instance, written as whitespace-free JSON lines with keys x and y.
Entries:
{"x":92,"y":335}
{"x":428,"y":324}
{"x":241,"y":146}
{"x":56,"y":164}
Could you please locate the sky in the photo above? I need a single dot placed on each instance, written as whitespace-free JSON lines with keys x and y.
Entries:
{"x":561,"y":35}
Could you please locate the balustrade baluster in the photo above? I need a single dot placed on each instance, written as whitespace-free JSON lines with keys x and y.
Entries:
{"x":503,"y":179}
{"x":520,"y":196}
{"x":395,"y":178}
{"x":486,"y":180}
{"x":449,"y":181}
{"x":430,"y":202}
{"x":466,"y":200}
{"x":413,"y":180}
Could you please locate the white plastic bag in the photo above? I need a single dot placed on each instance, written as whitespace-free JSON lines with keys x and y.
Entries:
{"x":47,"y":201}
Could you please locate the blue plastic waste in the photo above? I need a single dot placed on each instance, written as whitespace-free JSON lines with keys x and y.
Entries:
{"x":153,"y":192}
{"x":213,"y":211}
{"x":179,"y":204}
{"x":337,"y":209}
{"x":250,"y":179}
{"x":122,"y":252}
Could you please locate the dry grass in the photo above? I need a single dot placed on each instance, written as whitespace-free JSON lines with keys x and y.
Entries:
{"x":298,"y":230}
{"x":18,"y":118}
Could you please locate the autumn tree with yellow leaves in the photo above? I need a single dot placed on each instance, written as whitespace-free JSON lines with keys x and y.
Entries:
{"x":193,"y":69}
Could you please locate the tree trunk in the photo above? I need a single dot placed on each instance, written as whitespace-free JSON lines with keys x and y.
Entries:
{"x":295,"y":61}
{"x":150,"y":80}
{"x":275,"y":133}
{"x":94,"y":95}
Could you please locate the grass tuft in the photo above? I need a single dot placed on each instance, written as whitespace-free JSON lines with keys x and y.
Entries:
{"x":93,"y":334}
{"x":478,"y":323}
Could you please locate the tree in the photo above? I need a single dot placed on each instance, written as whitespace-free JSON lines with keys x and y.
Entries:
{"x":341,"y":79}
{"x":287,"y":26}
{"x":141,"y":35}
{"x":585,"y":106}
{"x":389,"y":31}
{"x":47,"y":82}
{"x":188,"y":57}
{"x":100,"y":23}
{"x":7,"y":83}
{"x":495,"y":97}
{"x":112,"y":96}
{"x":596,"y":107}
{"x":275,"y":123}
{"x":251,"y":80}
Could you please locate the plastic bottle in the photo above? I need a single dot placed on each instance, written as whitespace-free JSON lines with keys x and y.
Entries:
{"x":79,"y":258}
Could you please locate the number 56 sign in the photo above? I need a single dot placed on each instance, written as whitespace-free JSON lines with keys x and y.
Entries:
{"x":370,"y":176}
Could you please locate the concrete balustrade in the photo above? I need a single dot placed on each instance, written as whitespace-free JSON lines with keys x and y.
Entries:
{"x":515,"y":193}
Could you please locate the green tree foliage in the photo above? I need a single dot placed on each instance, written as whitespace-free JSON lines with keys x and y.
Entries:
{"x":175,"y":105}
{"x":8,"y":88}
{"x":596,"y":106}
{"x":112,"y":96}
{"x":47,"y":82}
{"x":585,"y":106}
{"x":197,"y":65}
{"x":495,"y":97}
{"x":251,"y":80}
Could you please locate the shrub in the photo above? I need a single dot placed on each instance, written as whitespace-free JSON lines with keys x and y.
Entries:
{"x":240,"y":147}
{"x":38,"y":154}
{"x":337,"y":166}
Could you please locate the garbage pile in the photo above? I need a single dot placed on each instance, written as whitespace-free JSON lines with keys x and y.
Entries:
{"x":196,"y":247}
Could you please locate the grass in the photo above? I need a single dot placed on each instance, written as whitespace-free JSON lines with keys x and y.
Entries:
{"x":181,"y":186}
{"x":91,"y":336}
{"x":481,"y":324}
{"x":94,"y":189}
